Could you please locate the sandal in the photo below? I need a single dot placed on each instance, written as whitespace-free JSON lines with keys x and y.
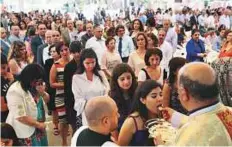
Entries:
{"x":56,"y":131}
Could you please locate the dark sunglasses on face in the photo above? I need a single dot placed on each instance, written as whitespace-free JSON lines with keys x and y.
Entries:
{"x":38,"y":82}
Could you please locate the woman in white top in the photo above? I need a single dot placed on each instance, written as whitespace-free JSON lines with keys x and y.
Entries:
{"x":110,"y":58}
{"x":89,"y":82}
{"x":152,"y":70}
{"x":136,"y":58}
{"x":18,"y":57}
{"x":26,"y":102}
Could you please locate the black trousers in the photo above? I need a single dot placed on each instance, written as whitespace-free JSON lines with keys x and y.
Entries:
{"x":125,"y":59}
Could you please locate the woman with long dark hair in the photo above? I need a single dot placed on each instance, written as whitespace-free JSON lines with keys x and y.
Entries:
{"x":122,"y":88}
{"x":170,"y":94}
{"x":136,"y":58}
{"x":136,"y":27}
{"x":88,"y":82}
{"x":147,"y":99}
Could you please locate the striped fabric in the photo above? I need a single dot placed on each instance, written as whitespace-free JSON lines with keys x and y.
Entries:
{"x":59,"y":99}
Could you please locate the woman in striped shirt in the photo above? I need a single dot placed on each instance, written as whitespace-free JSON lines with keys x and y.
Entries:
{"x":57,"y":82}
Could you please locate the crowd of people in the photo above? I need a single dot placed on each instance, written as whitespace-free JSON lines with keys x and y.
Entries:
{"x":106,"y":80}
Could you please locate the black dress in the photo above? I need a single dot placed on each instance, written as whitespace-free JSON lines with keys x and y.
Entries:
{"x":51,"y":91}
{"x":69,"y":71}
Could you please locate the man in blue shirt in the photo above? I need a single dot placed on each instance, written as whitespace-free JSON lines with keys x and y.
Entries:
{"x":195,"y":48}
{"x":124,"y":43}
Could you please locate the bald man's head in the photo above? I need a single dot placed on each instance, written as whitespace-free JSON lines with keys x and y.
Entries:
{"x":48,"y":37}
{"x":55,"y":37}
{"x":3,"y":33}
{"x":199,"y":80}
{"x":166,"y":24}
{"x":70,"y":24}
{"x":99,"y":107}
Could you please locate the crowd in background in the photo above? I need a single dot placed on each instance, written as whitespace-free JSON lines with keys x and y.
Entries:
{"x":49,"y":61}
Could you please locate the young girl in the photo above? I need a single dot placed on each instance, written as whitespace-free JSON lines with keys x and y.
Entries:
{"x":148,"y":98}
{"x":122,"y":88}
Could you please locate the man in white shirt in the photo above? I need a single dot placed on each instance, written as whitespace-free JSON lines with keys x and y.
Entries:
{"x":159,"y":18}
{"x":69,"y":34}
{"x":124,"y":43}
{"x":41,"y":56}
{"x":80,"y":30}
{"x":225,"y":19}
{"x":166,"y":49}
{"x":97,"y":43}
{"x":171,"y":35}
{"x":55,"y":38}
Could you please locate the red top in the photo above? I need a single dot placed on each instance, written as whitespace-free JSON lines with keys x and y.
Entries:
{"x":225,"y":53}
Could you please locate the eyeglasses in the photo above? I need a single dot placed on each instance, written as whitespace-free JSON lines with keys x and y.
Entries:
{"x":38,"y":82}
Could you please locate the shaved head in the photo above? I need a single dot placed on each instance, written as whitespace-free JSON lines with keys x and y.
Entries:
{"x":48,"y":33}
{"x":200,"y":72}
{"x":97,"y":108}
{"x":199,"y":80}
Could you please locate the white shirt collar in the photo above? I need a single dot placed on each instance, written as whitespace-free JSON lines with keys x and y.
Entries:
{"x":205,"y":110}
{"x":98,"y":39}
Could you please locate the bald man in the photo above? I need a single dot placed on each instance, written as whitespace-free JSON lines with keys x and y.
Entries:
{"x":167,"y":51}
{"x":102,"y":117}
{"x":171,"y":35}
{"x":209,"y":121}
{"x":80,"y":29}
{"x":69,"y":34}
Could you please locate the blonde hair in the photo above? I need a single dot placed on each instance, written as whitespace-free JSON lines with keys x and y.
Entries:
{"x":14,"y":52}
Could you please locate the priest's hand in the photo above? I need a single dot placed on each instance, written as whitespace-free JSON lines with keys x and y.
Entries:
{"x":167,"y":113}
